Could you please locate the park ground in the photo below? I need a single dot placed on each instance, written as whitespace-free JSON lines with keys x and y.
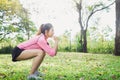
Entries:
{"x":65,"y":66}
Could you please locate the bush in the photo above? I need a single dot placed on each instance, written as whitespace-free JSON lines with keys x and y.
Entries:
{"x":101,"y":47}
{"x":6,"y":50}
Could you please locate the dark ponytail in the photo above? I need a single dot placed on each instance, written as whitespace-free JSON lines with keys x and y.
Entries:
{"x":39,"y":31}
{"x":44,"y":27}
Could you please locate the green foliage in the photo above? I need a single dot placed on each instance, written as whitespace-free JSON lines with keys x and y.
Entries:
{"x":20,"y":38}
{"x":101,"y":46}
{"x":65,"y":66}
{"x":65,"y":42}
{"x":6,"y":50}
{"x":10,"y":7}
{"x":101,"y":41}
{"x":78,"y":44}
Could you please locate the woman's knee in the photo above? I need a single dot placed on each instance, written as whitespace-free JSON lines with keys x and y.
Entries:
{"x":41,"y":53}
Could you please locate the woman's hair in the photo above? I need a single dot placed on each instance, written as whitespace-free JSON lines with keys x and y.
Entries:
{"x":44,"y":27}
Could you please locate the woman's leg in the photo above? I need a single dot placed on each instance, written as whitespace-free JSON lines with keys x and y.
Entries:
{"x":38,"y":58}
{"x":36,"y":62}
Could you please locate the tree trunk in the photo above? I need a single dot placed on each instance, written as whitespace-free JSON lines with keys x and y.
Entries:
{"x":117,"y":37}
{"x":81,"y":38}
{"x":84,"y":41}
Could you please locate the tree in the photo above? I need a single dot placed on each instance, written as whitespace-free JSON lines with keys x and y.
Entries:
{"x":25,"y":24}
{"x":84,"y":21}
{"x":8,"y":9}
{"x":14,"y":18}
{"x":117,"y":37}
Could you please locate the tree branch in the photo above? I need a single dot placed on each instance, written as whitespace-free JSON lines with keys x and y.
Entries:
{"x":93,"y":12}
{"x":79,"y":6}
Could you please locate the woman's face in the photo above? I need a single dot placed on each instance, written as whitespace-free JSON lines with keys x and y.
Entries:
{"x":50,"y":33}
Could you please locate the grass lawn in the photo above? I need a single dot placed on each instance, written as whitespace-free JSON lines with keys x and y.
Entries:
{"x":65,"y":66}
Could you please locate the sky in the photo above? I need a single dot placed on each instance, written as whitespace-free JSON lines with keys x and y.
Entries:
{"x":63,"y":15}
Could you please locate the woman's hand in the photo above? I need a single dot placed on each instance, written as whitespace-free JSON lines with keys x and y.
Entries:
{"x":55,"y":39}
{"x":56,"y":43}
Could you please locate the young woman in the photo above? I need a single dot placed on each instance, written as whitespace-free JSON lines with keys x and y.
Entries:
{"x":36,"y":48}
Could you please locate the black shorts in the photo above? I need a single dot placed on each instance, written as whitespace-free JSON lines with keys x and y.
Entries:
{"x":15,"y":53}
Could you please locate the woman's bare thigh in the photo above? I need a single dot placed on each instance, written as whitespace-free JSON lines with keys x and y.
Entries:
{"x":28,"y":54}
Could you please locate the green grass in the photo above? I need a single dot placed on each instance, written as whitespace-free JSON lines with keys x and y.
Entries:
{"x":65,"y":66}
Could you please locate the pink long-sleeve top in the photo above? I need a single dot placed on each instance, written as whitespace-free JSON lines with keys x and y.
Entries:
{"x":37,"y":42}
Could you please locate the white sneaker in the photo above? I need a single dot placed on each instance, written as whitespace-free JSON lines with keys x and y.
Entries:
{"x":36,"y":73}
{"x":32,"y":77}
